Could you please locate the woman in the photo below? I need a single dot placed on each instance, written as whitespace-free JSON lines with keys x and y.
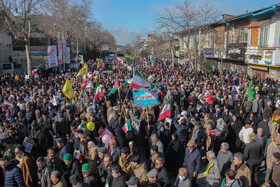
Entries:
{"x":92,"y":156}
{"x":174,"y":156}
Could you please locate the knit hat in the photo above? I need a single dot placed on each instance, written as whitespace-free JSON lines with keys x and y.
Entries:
{"x":67,"y":157}
{"x":276,"y":155}
{"x":85,"y":166}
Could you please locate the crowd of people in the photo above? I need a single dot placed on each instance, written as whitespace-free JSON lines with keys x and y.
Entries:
{"x":215,"y":132}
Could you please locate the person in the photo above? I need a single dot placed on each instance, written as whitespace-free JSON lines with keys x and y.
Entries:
{"x":76,"y":181}
{"x":182,"y":179}
{"x":139,"y":170}
{"x":192,"y":161}
{"x":73,"y":166}
{"x":27,"y":166}
{"x":212,"y":172}
{"x":124,"y":160}
{"x":114,"y":151}
{"x":245,"y":132}
{"x":229,"y":180}
{"x":198,"y":135}
{"x":253,"y":154}
{"x":154,"y":154}
{"x":156,"y":141}
{"x":63,"y":148}
{"x":119,"y":177}
{"x":224,"y":158}
{"x":57,"y":179}
{"x":273,"y":147}
{"x":92,"y":156}
{"x":242,"y":172}
{"x":54,"y":163}
{"x":264,"y":125}
{"x":105,"y":169}
{"x":275,"y":173}
{"x":133,"y":182}
{"x":163,"y":177}
{"x":13,"y":174}
{"x":152,"y":177}
{"x":88,"y":177}
{"x":43,"y":173}
{"x":174,"y":154}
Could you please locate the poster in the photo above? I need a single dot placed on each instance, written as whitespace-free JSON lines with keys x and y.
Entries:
{"x":52,"y":56}
{"x":28,"y":144}
{"x":68,"y":55}
{"x":254,"y":36}
{"x":59,"y":44}
{"x":143,"y":98}
{"x":64,"y":52}
{"x":220,"y":36}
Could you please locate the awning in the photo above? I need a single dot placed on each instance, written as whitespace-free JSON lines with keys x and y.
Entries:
{"x":256,"y":24}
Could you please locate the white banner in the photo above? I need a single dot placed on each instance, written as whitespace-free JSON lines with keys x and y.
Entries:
{"x":52,"y":56}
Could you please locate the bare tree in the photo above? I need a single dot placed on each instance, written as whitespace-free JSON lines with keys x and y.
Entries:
{"x":185,"y":20}
{"x":17,"y":14}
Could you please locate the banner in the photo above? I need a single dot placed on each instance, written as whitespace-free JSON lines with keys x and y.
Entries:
{"x":143,"y":98}
{"x":52,"y":56}
{"x":254,"y":36}
{"x":59,"y":44}
{"x":68,"y":55}
{"x":28,"y":144}
{"x":64,"y":52}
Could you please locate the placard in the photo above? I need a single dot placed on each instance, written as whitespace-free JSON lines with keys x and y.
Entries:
{"x":52,"y":56}
{"x":143,"y":98}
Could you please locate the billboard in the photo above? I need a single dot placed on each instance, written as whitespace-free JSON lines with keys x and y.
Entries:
{"x":52,"y":56}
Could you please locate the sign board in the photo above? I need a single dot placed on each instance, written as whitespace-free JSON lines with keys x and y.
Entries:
{"x":208,"y":52}
{"x":52,"y":56}
{"x":269,"y":57}
{"x":254,"y":36}
{"x":28,"y":144}
{"x":68,"y":55}
{"x":143,"y":98}
{"x":220,"y":36}
{"x":59,"y":44}
{"x":236,"y":51}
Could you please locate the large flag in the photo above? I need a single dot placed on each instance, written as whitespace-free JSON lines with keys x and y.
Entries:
{"x":102,"y":64}
{"x":139,"y":81}
{"x":115,"y":88}
{"x":208,"y":95}
{"x":34,"y":71}
{"x":127,"y":127}
{"x":98,"y":92}
{"x":68,"y":90}
{"x":250,"y":91}
{"x":166,"y":111}
{"x":84,"y":70}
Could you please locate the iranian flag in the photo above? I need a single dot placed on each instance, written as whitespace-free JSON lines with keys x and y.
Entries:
{"x":115,"y":88}
{"x":139,"y":81}
{"x":7,"y":103}
{"x":208,"y":95}
{"x":127,"y":127}
{"x":107,"y":183}
{"x":107,"y":132}
{"x":79,"y":156}
{"x":98,"y":92}
{"x":34,"y":71}
{"x":166,"y":111}
{"x":82,"y":126}
{"x":85,"y":97}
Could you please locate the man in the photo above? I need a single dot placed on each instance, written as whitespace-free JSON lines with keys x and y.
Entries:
{"x":13,"y":175}
{"x":124,"y":160}
{"x":267,"y":112}
{"x":87,"y":175}
{"x":273,"y":147}
{"x":133,"y":182}
{"x":76,"y":181}
{"x":198,"y":135}
{"x":73,"y":166}
{"x":156,"y":141}
{"x":139,"y":170}
{"x":245,"y":132}
{"x":242,"y":172}
{"x":275,"y":179}
{"x":224,"y":158}
{"x":101,"y":151}
{"x":105,"y":168}
{"x":27,"y":166}
{"x":253,"y":156}
{"x":119,"y":177}
{"x":63,"y":148}
{"x":258,"y":105}
{"x":192,"y":161}
{"x":114,"y":150}
{"x":230,"y":180}
{"x":43,"y":173}
{"x":54,"y":163}
{"x":9,"y":148}
{"x":162,"y":172}
{"x":57,"y":179}
{"x":182,"y":179}
{"x":152,"y":177}
{"x":154,"y":154}
{"x":212,"y":172}
{"x":264,"y":125}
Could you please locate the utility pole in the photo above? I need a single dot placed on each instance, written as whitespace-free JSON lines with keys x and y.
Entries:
{"x":195,"y":49}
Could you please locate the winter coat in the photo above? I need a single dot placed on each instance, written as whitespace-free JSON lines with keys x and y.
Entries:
{"x":272,"y":148}
{"x":116,"y":154}
{"x":119,"y":182}
{"x":141,"y":173}
{"x":213,"y":175}
{"x":73,"y":168}
{"x":253,"y":153}
{"x":265,"y":127}
{"x":125,"y":164}
{"x":61,"y":183}
{"x":174,"y":155}
{"x":163,"y":177}
{"x":201,"y":137}
{"x":182,"y":131}
{"x":244,"y":134}
{"x":242,"y":173}
{"x":13,"y":175}
{"x":192,"y":161}
{"x":29,"y":171}
{"x":46,"y":177}
{"x":63,"y":151}
{"x":235,"y":142}
{"x":55,"y":165}
{"x":224,"y":159}
{"x":90,"y":180}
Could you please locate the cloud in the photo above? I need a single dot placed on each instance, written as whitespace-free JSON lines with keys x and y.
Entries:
{"x":125,"y":36}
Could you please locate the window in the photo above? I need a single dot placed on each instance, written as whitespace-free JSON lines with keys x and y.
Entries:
{"x":242,"y":35}
{"x":263,"y":36}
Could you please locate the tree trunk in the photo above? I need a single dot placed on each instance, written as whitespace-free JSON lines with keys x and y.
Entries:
{"x":28,"y":59}
{"x":172,"y":56}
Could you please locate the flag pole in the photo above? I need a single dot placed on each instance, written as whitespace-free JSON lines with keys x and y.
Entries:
{"x":122,"y":106}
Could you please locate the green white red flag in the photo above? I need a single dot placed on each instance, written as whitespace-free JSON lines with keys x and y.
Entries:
{"x":127,"y":127}
{"x":139,"y":81}
{"x":166,"y":111}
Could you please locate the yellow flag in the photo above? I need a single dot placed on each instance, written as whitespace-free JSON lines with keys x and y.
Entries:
{"x":68,"y":90}
{"x":95,"y":77}
{"x":84,"y":70}
{"x":97,"y":64}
